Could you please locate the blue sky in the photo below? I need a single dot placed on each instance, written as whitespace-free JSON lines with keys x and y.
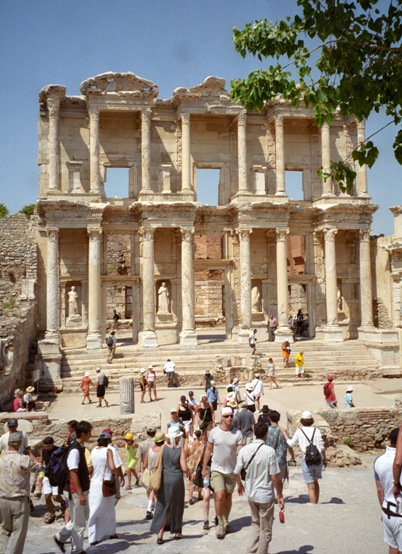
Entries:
{"x":171,"y":42}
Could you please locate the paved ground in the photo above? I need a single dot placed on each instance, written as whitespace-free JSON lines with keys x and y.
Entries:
{"x":346,"y":520}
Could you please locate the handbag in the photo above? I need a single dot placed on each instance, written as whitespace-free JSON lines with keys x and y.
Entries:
{"x":108,"y":485}
{"x":156,"y":475}
{"x":243,"y":471}
{"x":198,"y":480}
{"x":204,"y":424}
{"x":145,"y":480}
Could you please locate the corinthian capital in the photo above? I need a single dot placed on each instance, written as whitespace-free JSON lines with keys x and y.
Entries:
{"x":364,"y":234}
{"x":185,"y":118}
{"x":94,"y":233}
{"x":146,"y":116}
{"x":187,"y":233}
{"x":53,"y":234}
{"x":281,"y":233}
{"x":93,"y":111}
{"x":146,"y":233}
{"x":53,"y":106}
{"x":329,"y":233}
{"x":244,"y":234}
{"x":242,"y":118}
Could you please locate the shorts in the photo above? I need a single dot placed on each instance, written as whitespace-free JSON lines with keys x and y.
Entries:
{"x":170,"y":374}
{"x":48,"y":488}
{"x":392,"y":531}
{"x":283,"y":471}
{"x":222,"y":482}
{"x":311,"y":473}
{"x":251,"y":408}
{"x":151,"y":384}
{"x":100,"y":391}
{"x":252,"y":345}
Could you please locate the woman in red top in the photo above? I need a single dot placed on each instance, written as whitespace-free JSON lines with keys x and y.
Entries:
{"x":18,"y":404}
{"x":85,"y":383}
{"x":329,"y":393}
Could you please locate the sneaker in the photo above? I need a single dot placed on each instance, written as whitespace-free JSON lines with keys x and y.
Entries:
{"x":149,"y":515}
{"x":59,"y":543}
{"x":206,"y":526}
{"x":220,"y":531}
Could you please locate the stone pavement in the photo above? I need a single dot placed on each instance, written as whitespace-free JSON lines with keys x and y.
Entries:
{"x":347,"y":520}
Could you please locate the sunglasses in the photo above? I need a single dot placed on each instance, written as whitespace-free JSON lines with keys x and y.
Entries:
{"x":228,"y":415}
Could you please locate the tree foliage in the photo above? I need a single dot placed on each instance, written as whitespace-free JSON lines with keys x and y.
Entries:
{"x":3,"y":211}
{"x":28,"y":210}
{"x":347,"y":57}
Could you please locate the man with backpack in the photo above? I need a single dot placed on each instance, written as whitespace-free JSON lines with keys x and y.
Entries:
{"x":102,"y":382}
{"x":311,"y":444}
{"x":79,"y":488}
{"x":111,"y":342}
{"x":53,"y":458}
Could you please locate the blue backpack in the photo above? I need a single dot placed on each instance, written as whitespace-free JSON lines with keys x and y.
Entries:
{"x":56,"y":470}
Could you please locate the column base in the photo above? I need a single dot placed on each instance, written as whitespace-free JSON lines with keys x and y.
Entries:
{"x":148,"y":339}
{"x":94,"y":341}
{"x":242,"y":334}
{"x":332,"y":333}
{"x":283,"y":333}
{"x":188,"y":337}
{"x":49,"y":365}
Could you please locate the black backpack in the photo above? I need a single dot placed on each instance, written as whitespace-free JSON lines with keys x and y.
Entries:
{"x":109,"y":341}
{"x":57,"y":470}
{"x":312,"y":456}
{"x":105,"y":381}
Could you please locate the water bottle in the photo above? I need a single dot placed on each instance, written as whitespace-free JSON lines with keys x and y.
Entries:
{"x":399,"y":504}
{"x":205,"y":482}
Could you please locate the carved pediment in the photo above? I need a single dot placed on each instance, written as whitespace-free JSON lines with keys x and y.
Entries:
{"x":211,"y":89}
{"x":120,"y":83}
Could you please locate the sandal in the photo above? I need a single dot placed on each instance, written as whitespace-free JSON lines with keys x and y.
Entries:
{"x":159,"y":540}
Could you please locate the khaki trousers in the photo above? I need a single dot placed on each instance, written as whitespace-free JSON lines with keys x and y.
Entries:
{"x":75,"y":528}
{"x":262,"y":516}
{"x":14,"y":515}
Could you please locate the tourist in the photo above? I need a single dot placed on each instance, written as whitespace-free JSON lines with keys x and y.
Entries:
{"x":28,"y":399}
{"x":206,"y":488}
{"x":271,"y":373}
{"x":143,"y":383}
{"x":244,"y":421}
{"x":101,"y":387}
{"x":236,"y":388}
{"x":71,"y":433}
{"x":397,"y":466}
{"x":131,"y":459}
{"x":349,"y":397}
{"x":170,"y":505}
{"x":12,"y":425}
{"x":299,"y":323}
{"x":213,"y":395}
{"x":252,"y":340}
{"x":116,"y":317}
{"x":299,"y":360}
{"x":329,"y":393}
{"x":277,"y":440}
{"x":145,"y":445}
{"x":208,"y":377}
{"x":205,"y":414}
{"x":85,"y":384}
{"x":230,"y":399}
{"x":258,"y":389}
{"x":391,"y":517}
{"x":262,"y":471}
{"x":264,"y":415}
{"x":305,"y":435}
{"x":169,"y":370}
{"x":50,"y":491}
{"x":102,"y":512}
{"x":249,"y":397}
{"x":193,"y":453}
{"x":150,"y":463}
{"x":185,"y":413}
{"x":151,"y":381}
{"x":111,"y":343}
{"x":18,"y":402}
{"x":286,"y":353}
{"x":119,"y":481}
{"x":15,"y":470}
{"x":272,"y":326}
{"x":223,"y":443}
{"x":79,"y":489}
{"x":191,"y":400}
{"x":174,"y":420}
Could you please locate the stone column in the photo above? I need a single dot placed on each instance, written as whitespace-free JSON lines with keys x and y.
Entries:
{"x":53,"y":106}
{"x":326,"y":158}
{"x":186,"y":159}
{"x":147,"y":337}
{"x":146,"y":150}
{"x":188,"y":335}
{"x":126,"y":395}
{"x":245,"y":282}
{"x":94,"y":337}
{"x":330,"y":276}
{"x":366,"y":297}
{"x":242,"y":150}
{"x":283,"y":332}
{"x":94,"y":149}
{"x":279,"y":156}
{"x":361,"y":169}
{"x":52,"y":285}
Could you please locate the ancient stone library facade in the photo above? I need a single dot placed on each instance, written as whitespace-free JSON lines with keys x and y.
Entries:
{"x":171,"y":265}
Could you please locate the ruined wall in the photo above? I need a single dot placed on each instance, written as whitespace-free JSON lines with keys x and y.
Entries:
{"x":382,"y":282}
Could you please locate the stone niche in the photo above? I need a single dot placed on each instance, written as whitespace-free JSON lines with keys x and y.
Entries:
{"x":73,"y":305}
{"x":257,"y":299}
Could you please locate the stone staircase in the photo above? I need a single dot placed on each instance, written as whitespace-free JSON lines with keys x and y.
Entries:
{"x":350,"y":360}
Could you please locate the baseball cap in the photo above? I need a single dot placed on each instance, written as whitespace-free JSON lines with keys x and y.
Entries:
{"x":12,"y":422}
{"x":104,"y":436}
{"x":15,"y":438}
{"x":108,"y":431}
{"x":306,"y":415}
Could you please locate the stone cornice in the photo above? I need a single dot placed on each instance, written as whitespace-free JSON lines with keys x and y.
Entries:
{"x":123,"y":84}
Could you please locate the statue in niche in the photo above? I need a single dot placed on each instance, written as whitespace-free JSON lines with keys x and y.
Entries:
{"x":339,"y":300}
{"x":255,"y":299}
{"x":163,"y":299}
{"x":121,"y":266}
{"x":73,"y":303}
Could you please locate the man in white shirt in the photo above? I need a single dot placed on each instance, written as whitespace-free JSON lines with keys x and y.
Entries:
{"x":170,"y":372}
{"x":252,"y":339}
{"x":12,"y":425}
{"x":224,"y":441}
{"x":262,"y":471}
{"x":391,"y":519}
{"x":258,"y":390}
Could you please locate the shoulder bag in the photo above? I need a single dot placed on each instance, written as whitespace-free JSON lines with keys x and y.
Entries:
{"x":108,"y":485}
{"x":243,"y":471}
{"x":156,"y":475}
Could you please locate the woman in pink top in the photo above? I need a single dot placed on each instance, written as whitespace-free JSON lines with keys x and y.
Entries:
{"x":18,"y":405}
